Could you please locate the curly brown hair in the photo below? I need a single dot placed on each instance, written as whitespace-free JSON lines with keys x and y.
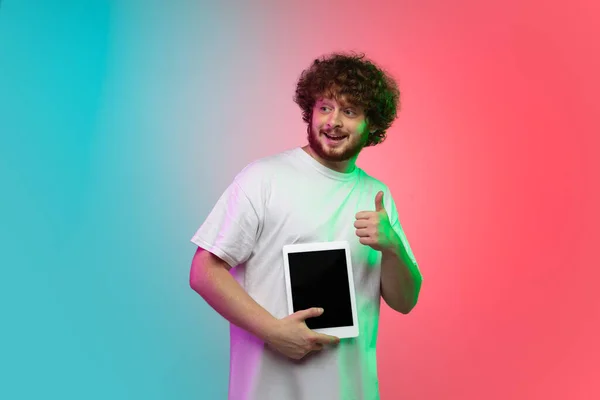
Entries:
{"x":361,"y":82}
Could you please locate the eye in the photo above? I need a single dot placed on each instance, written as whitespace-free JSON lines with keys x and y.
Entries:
{"x":324,"y":108}
{"x":350,"y":113}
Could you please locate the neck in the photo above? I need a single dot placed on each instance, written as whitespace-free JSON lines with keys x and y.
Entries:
{"x":344,"y":167}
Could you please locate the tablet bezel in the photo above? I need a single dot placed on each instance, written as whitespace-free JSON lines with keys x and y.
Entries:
{"x":341,"y":332}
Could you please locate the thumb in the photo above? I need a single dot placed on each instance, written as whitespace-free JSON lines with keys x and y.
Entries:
{"x":309,"y":313}
{"x":379,"y":201}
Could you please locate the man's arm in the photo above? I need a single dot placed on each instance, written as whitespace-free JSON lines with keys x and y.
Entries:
{"x":210,"y":278}
{"x":400,"y":278}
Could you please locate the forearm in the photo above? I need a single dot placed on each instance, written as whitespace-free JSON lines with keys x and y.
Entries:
{"x":223,"y":293}
{"x":400,"y":279}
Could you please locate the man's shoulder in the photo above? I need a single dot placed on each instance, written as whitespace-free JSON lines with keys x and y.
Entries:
{"x":273,"y":160}
{"x":264,"y":168}
{"x":373,"y":185}
{"x":373,"y":182}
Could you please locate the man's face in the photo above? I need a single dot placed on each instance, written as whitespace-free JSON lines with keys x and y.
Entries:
{"x":338,"y":130}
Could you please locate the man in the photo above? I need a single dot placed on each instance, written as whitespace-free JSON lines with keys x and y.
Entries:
{"x":310,"y":194}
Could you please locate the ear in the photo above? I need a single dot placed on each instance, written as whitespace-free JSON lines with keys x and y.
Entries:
{"x":373,"y":128}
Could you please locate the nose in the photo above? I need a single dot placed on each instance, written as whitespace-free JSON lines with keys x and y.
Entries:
{"x":334,"y":120}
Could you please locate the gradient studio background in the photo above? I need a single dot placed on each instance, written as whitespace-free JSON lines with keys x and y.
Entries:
{"x":122,"y":122}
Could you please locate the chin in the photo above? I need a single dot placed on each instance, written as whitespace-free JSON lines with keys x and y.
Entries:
{"x":329,"y":153}
{"x":337,"y":155}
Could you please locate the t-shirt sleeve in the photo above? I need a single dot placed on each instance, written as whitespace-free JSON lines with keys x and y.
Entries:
{"x":397,"y":226}
{"x":231,"y":228}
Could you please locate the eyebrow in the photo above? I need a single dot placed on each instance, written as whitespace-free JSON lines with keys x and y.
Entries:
{"x":343,"y":104}
{"x":350,"y":105}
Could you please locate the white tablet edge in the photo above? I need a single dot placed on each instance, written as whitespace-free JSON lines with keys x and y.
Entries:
{"x":341,"y":332}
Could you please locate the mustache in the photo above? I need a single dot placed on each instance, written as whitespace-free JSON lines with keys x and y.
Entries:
{"x":310,"y":130}
{"x":332,"y":131}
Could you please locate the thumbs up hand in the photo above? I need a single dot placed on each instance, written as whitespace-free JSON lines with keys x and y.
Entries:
{"x":373,"y":227}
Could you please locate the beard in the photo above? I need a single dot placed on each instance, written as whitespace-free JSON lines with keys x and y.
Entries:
{"x":344,"y":153}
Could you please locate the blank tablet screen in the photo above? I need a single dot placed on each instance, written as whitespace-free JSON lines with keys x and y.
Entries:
{"x":320,"y":279}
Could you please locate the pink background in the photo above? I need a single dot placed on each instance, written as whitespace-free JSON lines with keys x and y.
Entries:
{"x":494,"y":165}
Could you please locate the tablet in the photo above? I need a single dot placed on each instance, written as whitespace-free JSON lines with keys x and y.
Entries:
{"x":320,"y":275}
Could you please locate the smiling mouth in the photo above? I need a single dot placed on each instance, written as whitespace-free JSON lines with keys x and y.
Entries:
{"x":338,"y":138}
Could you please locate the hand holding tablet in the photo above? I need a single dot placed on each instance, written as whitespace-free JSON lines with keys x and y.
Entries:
{"x":294,"y":339}
{"x":319,"y":275}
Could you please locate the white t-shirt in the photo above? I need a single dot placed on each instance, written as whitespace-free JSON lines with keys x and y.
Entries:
{"x":284,"y":199}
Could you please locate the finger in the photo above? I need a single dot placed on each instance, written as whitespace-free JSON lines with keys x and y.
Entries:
{"x":361,"y":223}
{"x":365,"y":215}
{"x":317,"y":347}
{"x":367,"y":240}
{"x":326,"y":339}
{"x":379,"y":201}
{"x":309,"y":313}
{"x":362,"y":233}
